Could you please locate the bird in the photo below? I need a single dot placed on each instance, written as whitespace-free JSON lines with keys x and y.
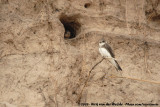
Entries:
{"x":106,"y":52}
{"x":67,"y":34}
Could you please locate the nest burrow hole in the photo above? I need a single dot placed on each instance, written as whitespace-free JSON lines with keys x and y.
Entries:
{"x":71,"y":26}
{"x":87,"y":5}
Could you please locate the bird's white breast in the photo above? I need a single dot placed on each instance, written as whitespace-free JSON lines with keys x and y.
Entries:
{"x":104,"y":52}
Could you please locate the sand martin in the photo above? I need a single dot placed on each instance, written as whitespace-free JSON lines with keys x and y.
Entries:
{"x":67,"y":34}
{"x":106,"y":51}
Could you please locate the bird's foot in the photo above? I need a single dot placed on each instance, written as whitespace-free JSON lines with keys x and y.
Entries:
{"x":110,"y":58}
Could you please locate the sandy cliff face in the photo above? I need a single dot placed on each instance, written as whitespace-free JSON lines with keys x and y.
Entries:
{"x":49,"y":52}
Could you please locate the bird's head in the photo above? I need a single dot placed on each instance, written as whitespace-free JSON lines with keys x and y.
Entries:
{"x":67,"y":34}
{"x":102,"y":42}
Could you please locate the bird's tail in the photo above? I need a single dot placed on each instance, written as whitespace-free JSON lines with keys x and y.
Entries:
{"x":115,"y":63}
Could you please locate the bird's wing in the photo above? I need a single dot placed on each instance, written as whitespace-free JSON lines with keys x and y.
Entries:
{"x":108,"y":48}
{"x":116,"y":65}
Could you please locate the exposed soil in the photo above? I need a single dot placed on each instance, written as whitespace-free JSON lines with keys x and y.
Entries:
{"x":49,"y":52}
